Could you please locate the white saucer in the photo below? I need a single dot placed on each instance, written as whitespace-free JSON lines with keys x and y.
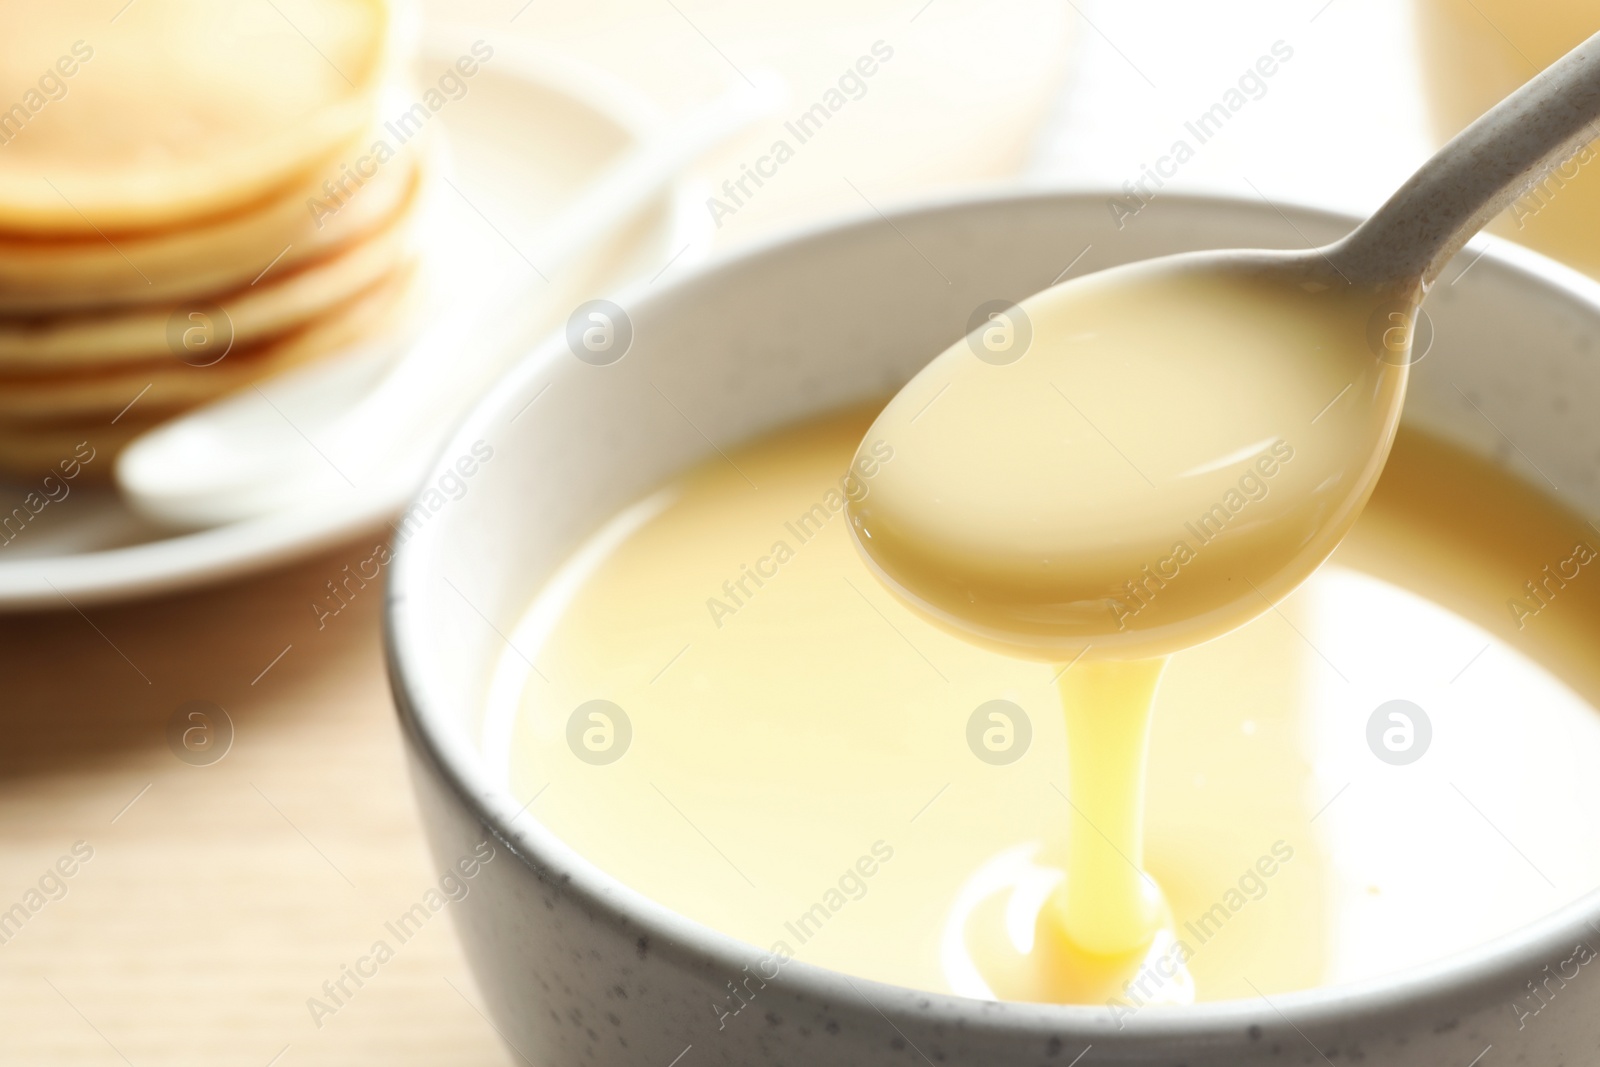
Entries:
{"x":529,"y":131}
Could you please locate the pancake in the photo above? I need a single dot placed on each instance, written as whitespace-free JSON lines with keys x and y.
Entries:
{"x":281,"y":301}
{"x":167,"y":385}
{"x":117,"y":117}
{"x":45,"y":275}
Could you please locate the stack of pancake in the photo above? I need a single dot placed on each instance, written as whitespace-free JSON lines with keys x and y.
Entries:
{"x":189,"y":202}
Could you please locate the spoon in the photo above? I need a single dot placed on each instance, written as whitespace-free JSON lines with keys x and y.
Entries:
{"x":238,"y":459}
{"x":1142,"y":459}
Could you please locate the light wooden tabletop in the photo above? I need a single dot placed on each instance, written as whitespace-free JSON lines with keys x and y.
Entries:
{"x":206,"y":904}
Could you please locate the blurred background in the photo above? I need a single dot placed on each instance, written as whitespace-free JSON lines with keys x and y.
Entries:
{"x":215,"y":888}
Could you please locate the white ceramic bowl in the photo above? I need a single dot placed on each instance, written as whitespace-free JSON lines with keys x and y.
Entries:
{"x":576,"y":967}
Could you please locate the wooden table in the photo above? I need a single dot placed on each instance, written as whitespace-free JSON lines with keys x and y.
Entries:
{"x":218,"y":899}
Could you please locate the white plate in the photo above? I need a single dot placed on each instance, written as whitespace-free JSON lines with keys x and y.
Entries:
{"x":529,"y":131}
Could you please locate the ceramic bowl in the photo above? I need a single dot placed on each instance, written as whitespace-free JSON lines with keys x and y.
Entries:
{"x":577,"y":968}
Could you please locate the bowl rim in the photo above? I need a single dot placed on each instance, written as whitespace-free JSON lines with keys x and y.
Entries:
{"x":1446,"y":986}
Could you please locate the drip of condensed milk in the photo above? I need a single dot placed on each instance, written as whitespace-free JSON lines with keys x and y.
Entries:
{"x":1119,"y":468}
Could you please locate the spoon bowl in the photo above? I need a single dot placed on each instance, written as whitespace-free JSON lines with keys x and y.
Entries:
{"x":1133,"y":462}
{"x":1085,"y":471}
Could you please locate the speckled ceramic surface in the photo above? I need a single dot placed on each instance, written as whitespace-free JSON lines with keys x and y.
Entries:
{"x":578,"y":969}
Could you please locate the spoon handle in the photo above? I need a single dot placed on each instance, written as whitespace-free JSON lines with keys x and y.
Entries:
{"x":1510,"y":148}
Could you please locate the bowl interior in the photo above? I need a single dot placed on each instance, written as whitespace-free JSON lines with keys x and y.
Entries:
{"x":850,"y":312}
